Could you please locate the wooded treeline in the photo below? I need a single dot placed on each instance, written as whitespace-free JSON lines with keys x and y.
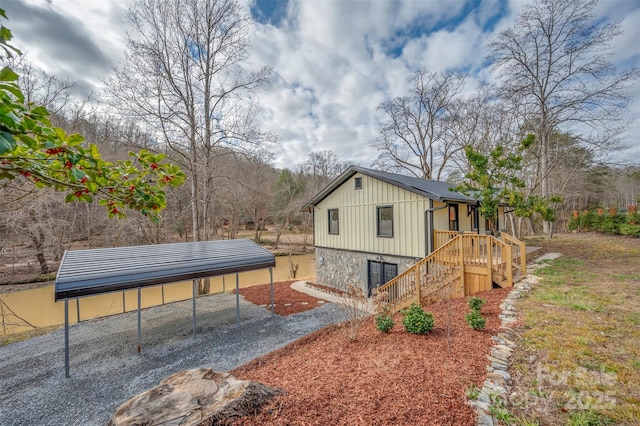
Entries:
{"x":185,"y":89}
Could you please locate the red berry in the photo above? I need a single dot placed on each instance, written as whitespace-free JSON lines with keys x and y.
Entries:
{"x":154,"y":166}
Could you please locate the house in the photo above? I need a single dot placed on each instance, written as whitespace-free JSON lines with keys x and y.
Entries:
{"x":370,"y":226}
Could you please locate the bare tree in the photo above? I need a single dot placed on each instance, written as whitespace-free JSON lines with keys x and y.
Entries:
{"x":42,"y":88}
{"x":183,"y":77}
{"x":482,"y":121}
{"x":556,"y":60}
{"x":323,"y":166}
{"x":414,"y":136}
{"x":287,"y":200}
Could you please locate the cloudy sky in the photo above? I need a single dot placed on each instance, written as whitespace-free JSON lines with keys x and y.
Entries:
{"x":333,"y":62}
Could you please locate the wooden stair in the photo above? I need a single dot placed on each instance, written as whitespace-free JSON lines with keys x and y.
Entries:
{"x":478,"y":259}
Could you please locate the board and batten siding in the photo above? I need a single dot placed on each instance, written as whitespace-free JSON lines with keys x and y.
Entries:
{"x":358,"y":219}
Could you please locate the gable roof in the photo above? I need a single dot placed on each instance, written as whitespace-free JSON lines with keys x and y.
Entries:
{"x":433,"y":189}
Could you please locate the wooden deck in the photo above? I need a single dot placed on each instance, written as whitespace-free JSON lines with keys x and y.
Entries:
{"x":461,"y":265}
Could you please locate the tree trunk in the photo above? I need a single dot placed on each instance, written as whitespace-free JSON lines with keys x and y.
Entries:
{"x":278,"y":234}
{"x":38,"y":242}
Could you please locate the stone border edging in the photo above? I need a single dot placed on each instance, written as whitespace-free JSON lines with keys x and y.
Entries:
{"x":498,"y":381}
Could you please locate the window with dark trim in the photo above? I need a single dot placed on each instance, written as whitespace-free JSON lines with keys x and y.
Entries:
{"x":385,"y":221}
{"x":453,"y":217}
{"x":334,"y":223}
{"x":358,"y":182}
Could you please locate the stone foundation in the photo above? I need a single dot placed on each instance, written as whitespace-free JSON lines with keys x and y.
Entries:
{"x":337,"y":268}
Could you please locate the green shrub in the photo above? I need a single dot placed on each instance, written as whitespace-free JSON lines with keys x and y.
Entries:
{"x":384,"y":322}
{"x":631,"y":230}
{"x":415,"y":320}
{"x":633,"y":218}
{"x":475,"y":319}
{"x":611,"y":224}
{"x":475,"y":303}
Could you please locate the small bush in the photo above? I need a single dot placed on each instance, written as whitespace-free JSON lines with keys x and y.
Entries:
{"x":473,"y":392}
{"x":629,"y":229}
{"x":475,"y":320}
{"x":353,"y":304}
{"x":417,"y":321}
{"x":475,"y":303}
{"x":384,"y":323}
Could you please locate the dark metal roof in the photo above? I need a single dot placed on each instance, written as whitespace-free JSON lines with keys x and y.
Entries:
{"x":89,"y":272}
{"x":433,"y":189}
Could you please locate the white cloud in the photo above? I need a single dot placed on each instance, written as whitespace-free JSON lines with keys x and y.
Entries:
{"x":334,"y":62}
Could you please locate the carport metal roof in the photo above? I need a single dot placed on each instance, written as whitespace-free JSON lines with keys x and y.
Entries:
{"x":95,"y":271}
{"x":105,"y":270}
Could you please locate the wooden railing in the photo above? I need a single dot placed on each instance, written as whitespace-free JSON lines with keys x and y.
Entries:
{"x":442,"y":237}
{"x":424,"y":278}
{"x":442,"y":273}
{"x":518,"y":252}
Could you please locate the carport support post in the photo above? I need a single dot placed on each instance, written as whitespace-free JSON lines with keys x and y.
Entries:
{"x":66,"y":337}
{"x":139,"y":331}
{"x":193,"y":284}
{"x":237,"y":299}
{"x":272,"y":301}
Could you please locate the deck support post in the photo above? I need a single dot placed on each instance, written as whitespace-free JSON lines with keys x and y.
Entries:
{"x":237,"y":299}
{"x":223,"y":290}
{"x":78,"y":309}
{"x":66,"y":338}
{"x":461,"y":260}
{"x":508,"y":264}
{"x":272,"y":296}
{"x":489,"y":261}
{"x":139,"y":317}
{"x":193,"y":291}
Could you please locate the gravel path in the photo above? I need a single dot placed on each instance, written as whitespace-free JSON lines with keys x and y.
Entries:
{"x":106,"y":370}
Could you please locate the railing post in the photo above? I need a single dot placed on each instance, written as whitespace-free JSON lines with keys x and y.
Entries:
{"x":489,"y":257}
{"x":461,"y":248}
{"x":417,"y":284}
{"x":506,"y":254}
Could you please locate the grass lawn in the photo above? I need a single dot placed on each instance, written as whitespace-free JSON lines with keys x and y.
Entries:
{"x":578,"y":359}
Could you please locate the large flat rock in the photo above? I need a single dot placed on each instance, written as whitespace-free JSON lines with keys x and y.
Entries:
{"x":193,"y":397}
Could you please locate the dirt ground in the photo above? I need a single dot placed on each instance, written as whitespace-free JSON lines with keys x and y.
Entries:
{"x":380,"y":379}
{"x":290,"y":300}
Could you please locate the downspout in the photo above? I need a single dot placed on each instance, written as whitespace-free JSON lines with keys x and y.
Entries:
{"x":429,"y":227}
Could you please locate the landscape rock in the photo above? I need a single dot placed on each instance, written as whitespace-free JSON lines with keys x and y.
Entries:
{"x":194,"y":397}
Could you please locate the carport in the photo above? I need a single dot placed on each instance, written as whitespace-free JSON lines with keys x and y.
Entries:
{"x":84,"y":273}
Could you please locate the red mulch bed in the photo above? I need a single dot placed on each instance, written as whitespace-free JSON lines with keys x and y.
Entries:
{"x":381,"y":379}
{"x":283,"y":294}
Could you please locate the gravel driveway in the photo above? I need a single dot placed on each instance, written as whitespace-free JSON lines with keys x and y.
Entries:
{"x":106,"y":369}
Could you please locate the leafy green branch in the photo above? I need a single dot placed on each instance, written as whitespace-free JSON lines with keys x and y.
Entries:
{"x":32,"y":149}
